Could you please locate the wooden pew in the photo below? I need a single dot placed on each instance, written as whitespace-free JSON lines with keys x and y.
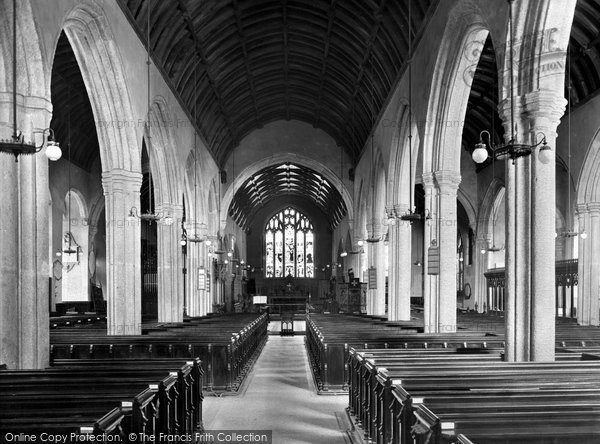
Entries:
{"x":72,"y":399}
{"x":226,"y":345}
{"x":329,"y":338}
{"x":476,"y":398}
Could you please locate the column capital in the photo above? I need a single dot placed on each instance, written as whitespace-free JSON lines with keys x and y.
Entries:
{"x":447,"y":180}
{"x":592,"y":208}
{"x":118,"y":180}
{"x":428,"y":180}
{"x":581,"y":209}
{"x":374,"y":228}
{"x":389,"y":210}
{"x":544,"y":109}
{"x":483,"y":237}
{"x":199,"y":229}
{"x":176,"y":210}
{"x":504,"y":111}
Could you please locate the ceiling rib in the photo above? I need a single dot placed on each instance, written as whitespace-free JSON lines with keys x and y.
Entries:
{"x":189,"y":23}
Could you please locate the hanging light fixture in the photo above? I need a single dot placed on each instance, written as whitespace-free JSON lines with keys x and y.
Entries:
{"x":493,"y":248}
{"x":411,"y":215}
{"x":150,"y":216}
{"x":344,"y":253}
{"x":16,"y":145}
{"x":195,"y":237}
{"x":510,"y":150}
{"x":69,"y":253}
{"x":219,"y":247}
{"x":372,"y":238}
{"x":418,"y":262}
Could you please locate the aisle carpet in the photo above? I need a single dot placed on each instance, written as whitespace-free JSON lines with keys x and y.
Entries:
{"x":279,"y":395}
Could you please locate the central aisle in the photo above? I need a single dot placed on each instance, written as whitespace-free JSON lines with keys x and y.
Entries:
{"x":280,"y":395}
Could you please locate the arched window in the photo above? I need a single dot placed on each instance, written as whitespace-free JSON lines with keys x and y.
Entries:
{"x":289,"y":245}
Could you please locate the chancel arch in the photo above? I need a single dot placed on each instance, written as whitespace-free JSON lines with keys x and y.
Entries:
{"x":282,"y":158}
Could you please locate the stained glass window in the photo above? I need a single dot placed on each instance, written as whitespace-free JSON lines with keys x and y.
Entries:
{"x":289,"y":245}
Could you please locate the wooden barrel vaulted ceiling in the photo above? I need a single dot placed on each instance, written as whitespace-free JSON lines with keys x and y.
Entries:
{"x":281,"y":180}
{"x":330,"y":63}
{"x":584,"y":52}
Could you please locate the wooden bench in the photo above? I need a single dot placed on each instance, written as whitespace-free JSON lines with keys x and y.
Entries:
{"x":226,"y":345}
{"x":72,"y":399}
{"x":329,"y":338}
{"x":434,"y":399}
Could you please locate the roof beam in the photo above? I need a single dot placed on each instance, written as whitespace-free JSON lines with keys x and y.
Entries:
{"x":324,"y":61}
{"x":242,"y":38}
{"x":285,"y":58}
{"x":362,"y":67}
{"x":214,"y":87}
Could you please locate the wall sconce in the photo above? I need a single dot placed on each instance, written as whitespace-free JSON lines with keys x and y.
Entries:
{"x":510,"y":150}
{"x":17,"y":146}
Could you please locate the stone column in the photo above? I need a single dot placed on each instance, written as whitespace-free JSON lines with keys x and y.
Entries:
{"x":376,"y":297}
{"x":170,"y":278}
{"x":380,"y":257}
{"x":400,"y":268}
{"x":530,"y":240}
{"x":481,"y":266}
{"x":517,"y":259}
{"x":393,"y":262}
{"x":123,"y":252}
{"x":447,"y":185}
{"x":24,"y":245}
{"x":588,"y":290}
{"x":430,"y":238}
{"x":196,"y":296}
{"x":544,"y":110}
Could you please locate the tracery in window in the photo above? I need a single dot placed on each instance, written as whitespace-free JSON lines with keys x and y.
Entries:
{"x":289,"y":245}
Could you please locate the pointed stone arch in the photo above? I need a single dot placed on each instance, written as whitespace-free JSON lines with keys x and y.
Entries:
{"x":398,"y":174}
{"x":96,"y":51}
{"x":214,"y":223}
{"x":588,"y":183}
{"x":160,"y":142}
{"x":195,"y":196}
{"x":33,"y":72}
{"x":377,"y":178}
{"x":487,"y":205}
{"x":464,"y":38}
{"x":588,"y":217}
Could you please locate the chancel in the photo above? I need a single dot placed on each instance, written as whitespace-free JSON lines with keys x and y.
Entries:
{"x":300,"y":221}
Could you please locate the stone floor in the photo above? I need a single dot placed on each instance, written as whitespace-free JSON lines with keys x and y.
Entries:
{"x":279,"y":395}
